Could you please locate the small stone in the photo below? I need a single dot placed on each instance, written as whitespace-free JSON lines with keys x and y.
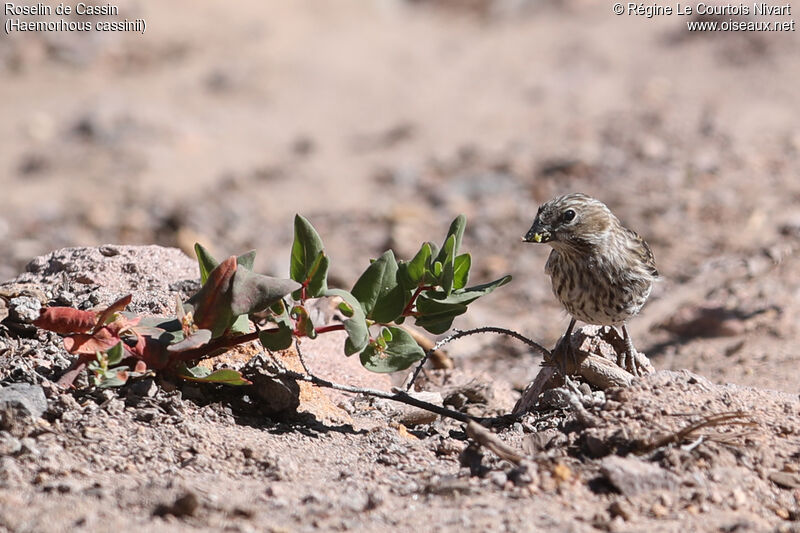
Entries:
{"x":185,"y":505}
{"x":9,"y":445}
{"x":26,"y":399}
{"x":24,"y":309}
{"x":738,"y":498}
{"x":783,"y":513}
{"x":618,"y":509}
{"x":498,"y":478}
{"x":356,"y":501}
{"x":634,"y":476}
{"x":108,"y":250}
{"x":144,"y":388}
{"x":9,"y":471}
{"x":659,"y":511}
{"x":28,"y":445}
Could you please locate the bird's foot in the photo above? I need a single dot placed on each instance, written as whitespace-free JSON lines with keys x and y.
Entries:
{"x":627,"y":360}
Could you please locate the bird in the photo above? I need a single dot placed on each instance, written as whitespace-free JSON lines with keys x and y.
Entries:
{"x":601,"y":271}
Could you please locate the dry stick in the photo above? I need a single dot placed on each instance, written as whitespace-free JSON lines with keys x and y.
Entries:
{"x":438,"y":358}
{"x":486,"y":438}
{"x":300,"y":356}
{"x":457,"y":334}
{"x":397,"y":395}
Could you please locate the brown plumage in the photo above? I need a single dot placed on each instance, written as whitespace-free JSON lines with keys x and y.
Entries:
{"x":601,"y":271}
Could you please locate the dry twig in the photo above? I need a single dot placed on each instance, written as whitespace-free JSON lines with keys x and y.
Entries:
{"x":486,"y":438}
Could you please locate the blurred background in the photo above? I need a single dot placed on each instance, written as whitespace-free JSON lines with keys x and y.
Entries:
{"x":382,"y":120}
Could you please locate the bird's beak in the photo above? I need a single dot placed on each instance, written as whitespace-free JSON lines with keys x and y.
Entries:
{"x":538,"y":233}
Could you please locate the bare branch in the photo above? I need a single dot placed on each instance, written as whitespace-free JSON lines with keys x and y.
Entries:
{"x":457,"y":334}
{"x":486,"y":438}
{"x":395,"y":395}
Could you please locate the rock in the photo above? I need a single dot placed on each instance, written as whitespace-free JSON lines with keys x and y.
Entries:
{"x":409,"y":415}
{"x":10,"y":472}
{"x":24,"y":398}
{"x":9,"y":445}
{"x":632,"y":476}
{"x":473,"y":391}
{"x":145,"y":388}
{"x":24,"y":309}
{"x":785,"y":480}
{"x":278,"y":395}
{"x":99,"y":276}
{"x":185,"y":505}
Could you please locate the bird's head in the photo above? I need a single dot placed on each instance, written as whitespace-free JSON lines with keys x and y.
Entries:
{"x":572,"y":221}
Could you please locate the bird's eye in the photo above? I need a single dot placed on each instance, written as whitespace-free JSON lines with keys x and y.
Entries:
{"x":568,"y":215}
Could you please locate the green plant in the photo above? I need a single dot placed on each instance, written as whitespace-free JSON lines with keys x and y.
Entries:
{"x":431,"y":289}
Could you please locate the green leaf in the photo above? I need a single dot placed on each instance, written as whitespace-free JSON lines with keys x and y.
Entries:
{"x":462,"y":296}
{"x":114,"y":354}
{"x":205,"y":260}
{"x":203,"y":375}
{"x":381,"y":298}
{"x":415,"y":269}
{"x":318,"y":282}
{"x":253,"y":292}
{"x":448,"y":267}
{"x":461,"y":266}
{"x":457,"y":232}
{"x":246,"y":260}
{"x":164,"y":330}
{"x":379,"y":277}
{"x":241,"y":325}
{"x":390,"y":305}
{"x":306,"y":250}
{"x":356,"y":326}
{"x":208,"y":263}
{"x":279,"y":308}
{"x":304,"y":322}
{"x":434,"y":254}
{"x":113,"y":377}
{"x":437,"y":317}
{"x":401,"y":351}
{"x":345,"y":309}
{"x":199,"y":338}
{"x":276,"y":339}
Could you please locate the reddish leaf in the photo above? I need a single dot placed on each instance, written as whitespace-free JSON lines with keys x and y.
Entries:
{"x":152,"y":352}
{"x":141,"y":366}
{"x":117,"y":306}
{"x":66,"y":320}
{"x":88,"y":344}
{"x":212,"y":304}
{"x":68,"y":377}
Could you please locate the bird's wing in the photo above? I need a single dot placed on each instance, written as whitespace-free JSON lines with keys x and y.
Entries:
{"x":645,"y":253}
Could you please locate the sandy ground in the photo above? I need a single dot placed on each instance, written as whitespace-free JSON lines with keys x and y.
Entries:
{"x":380,"y":121}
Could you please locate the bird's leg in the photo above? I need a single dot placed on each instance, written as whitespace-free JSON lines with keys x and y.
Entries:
{"x":630,"y":354}
{"x":564,"y":350}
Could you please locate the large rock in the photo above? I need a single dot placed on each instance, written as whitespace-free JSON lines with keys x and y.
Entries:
{"x":87,"y":277}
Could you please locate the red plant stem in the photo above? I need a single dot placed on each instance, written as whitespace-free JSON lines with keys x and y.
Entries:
{"x":332,"y":327}
{"x":223,"y":343}
{"x":410,"y":305}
